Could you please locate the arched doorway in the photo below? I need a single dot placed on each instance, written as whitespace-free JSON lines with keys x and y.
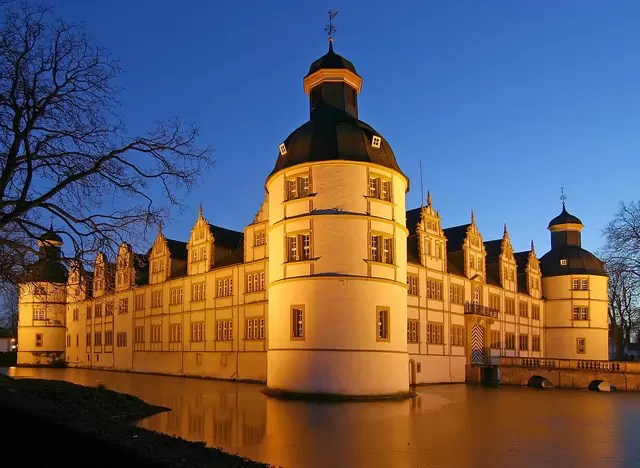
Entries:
{"x":412,"y":372}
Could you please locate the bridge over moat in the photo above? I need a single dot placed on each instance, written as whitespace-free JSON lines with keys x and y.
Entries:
{"x":570,"y":373}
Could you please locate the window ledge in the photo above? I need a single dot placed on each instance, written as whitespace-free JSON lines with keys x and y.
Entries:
{"x":306,"y":197}
{"x":297,"y":262}
{"x":380,"y":200}
{"x":259,"y":245}
{"x":376,"y":262}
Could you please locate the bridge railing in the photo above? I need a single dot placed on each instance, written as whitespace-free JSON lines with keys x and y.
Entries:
{"x":572,"y":364}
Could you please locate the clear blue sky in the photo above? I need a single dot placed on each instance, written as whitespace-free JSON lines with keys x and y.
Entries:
{"x":504,"y":101}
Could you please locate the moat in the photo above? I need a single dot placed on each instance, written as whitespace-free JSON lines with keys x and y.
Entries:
{"x":443,"y":426}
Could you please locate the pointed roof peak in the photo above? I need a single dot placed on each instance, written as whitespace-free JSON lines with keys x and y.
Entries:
{"x":429,"y":200}
{"x":200,"y":212}
{"x":505,"y":233}
{"x":473,"y":217}
{"x":533,"y":250}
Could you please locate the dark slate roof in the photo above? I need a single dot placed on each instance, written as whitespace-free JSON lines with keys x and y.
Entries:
{"x":413,"y":252}
{"x":334,"y":135}
{"x":493,"y":274}
{"x":413,"y":219}
{"x":141,"y":265}
{"x":455,"y":237}
{"x":455,"y":263}
{"x":51,"y":235}
{"x":331,"y":60}
{"x":493,"y":249}
{"x":564,"y":218}
{"x":47,"y":270}
{"x":579,"y":262}
{"x":226,"y":237}
{"x":234,"y":258}
{"x":178,"y":249}
{"x":522,"y":258}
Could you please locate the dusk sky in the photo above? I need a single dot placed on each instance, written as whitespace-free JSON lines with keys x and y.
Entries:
{"x":503,"y":101}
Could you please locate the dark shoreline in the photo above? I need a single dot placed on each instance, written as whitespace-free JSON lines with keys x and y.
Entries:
{"x":59,"y":424}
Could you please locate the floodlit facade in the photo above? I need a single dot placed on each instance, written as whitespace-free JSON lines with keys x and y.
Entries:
{"x":334,"y":288}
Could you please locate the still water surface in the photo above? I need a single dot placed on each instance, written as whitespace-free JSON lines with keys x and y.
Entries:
{"x":443,"y":426}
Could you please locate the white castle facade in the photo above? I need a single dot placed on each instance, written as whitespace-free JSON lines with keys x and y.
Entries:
{"x":334,"y":288}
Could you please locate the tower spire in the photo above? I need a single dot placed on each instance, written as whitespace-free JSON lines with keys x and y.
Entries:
{"x":429,"y":201}
{"x":505,"y":233}
{"x":473,"y":217}
{"x":200,"y":211}
{"x":533,"y":250}
{"x":563,"y":197}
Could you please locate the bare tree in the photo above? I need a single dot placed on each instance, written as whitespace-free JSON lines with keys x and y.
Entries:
{"x":622,"y":257}
{"x":9,"y":308}
{"x":65,"y":154}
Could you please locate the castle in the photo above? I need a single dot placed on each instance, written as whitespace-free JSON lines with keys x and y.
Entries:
{"x":334,"y":288}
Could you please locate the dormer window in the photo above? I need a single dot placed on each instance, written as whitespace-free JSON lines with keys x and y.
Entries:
{"x":376,"y":141}
{"x":563,"y":262}
{"x":283,"y":149}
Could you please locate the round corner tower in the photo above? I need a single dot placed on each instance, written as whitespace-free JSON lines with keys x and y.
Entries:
{"x":41,"y":306}
{"x":337,"y":249}
{"x":575,"y":288}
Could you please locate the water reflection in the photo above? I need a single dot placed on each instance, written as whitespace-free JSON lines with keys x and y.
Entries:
{"x":451,"y":425}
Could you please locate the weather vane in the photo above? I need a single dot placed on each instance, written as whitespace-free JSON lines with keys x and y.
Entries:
{"x":563,"y":197}
{"x":331,"y":29}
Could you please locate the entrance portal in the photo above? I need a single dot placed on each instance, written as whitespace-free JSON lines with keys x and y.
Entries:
{"x":477,"y":344}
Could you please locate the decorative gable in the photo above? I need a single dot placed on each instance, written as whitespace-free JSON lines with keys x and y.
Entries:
{"x":534,"y":274}
{"x":432,"y":244}
{"x":200,"y":247}
{"x":507,"y":262}
{"x":159,"y":259}
{"x":474,"y":252}
{"x":102,"y":276}
{"x":125,"y":269}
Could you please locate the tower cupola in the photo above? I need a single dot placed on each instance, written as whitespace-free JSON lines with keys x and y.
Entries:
{"x":565,"y":230}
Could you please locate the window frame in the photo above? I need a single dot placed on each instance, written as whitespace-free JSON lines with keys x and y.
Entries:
{"x":297,"y":327}
{"x":413,"y":331}
{"x":383,"y":328}
{"x":581,"y":348}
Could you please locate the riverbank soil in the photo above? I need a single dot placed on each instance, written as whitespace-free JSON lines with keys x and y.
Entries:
{"x":49,"y":423}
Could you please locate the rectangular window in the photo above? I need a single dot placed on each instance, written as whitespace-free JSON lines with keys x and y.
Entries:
{"x":198,"y":292}
{"x":580,"y":313}
{"x":156,"y":333}
{"x":176,"y":296}
{"x":494,"y":301}
{"x":255,"y":282}
{"x":197,"y":331}
{"x":297,"y":322}
{"x":299,"y":247}
{"x":523,"y":342}
{"x":383,"y":323}
{"x":581,"y":345}
{"x":535,"y":311}
{"x":108,"y":338}
{"x":261,"y":238}
{"x":68,"y":341}
{"x":434,"y":289}
{"x":457,"y":335}
{"x":98,"y":311}
{"x":108,"y":308}
{"x":224,"y":330}
{"x":509,"y":306}
{"x":576,"y":284}
{"x":412,"y":283}
{"x":413,"y":331}
{"x":77,"y":340}
{"x":380,"y":188}
{"x":254,"y":329}
{"x":38,"y":340}
{"x":434,"y":333}
{"x":298,"y":187}
{"x":580,"y":284}
{"x":584,"y":284}
{"x":39,"y":314}
{"x":523,"y":309}
{"x":225,"y":287}
{"x":139,"y":302}
{"x":438,"y":250}
{"x":510,"y":341}
{"x":495,"y":339}
{"x":121,"y":339}
{"x":156,"y":299}
{"x":175,"y":333}
{"x":76,"y":314}
{"x":97,"y":338}
{"x":88,"y":311}
{"x":138,"y":335}
{"x":381,"y":249}
{"x":123,"y":306}
{"x":88,"y":339}
{"x":456,"y":294}
{"x":535,"y":343}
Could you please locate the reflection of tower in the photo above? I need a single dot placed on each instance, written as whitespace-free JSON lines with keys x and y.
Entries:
{"x":574,"y":285}
{"x":41,"y":306}
{"x":337,"y":249}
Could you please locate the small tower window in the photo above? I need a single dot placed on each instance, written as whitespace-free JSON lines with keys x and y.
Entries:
{"x":375,"y":142}
{"x":283,"y":149}
{"x":563,"y":262}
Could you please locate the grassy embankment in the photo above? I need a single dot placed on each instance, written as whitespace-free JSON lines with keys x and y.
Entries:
{"x":49,"y":423}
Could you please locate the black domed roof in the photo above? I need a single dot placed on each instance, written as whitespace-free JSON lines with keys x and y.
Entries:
{"x":579,"y":262}
{"x":333,"y":135}
{"x":331,"y":60}
{"x":564,"y":218}
{"x":51,"y":235}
